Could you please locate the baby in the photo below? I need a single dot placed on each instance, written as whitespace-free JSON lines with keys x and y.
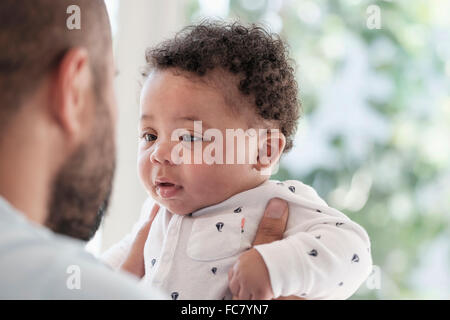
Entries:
{"x":208,"y":81}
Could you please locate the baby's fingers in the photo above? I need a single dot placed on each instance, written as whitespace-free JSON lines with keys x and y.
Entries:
{"x":261,"y":295}
{"x":234,"y":287}
{"x":244,"y":294}
{"x":234,"y":284}
{"x":238,"y":291}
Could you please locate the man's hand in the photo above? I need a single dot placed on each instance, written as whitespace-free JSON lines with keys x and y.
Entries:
{"x":249,"y":277}
{"x":134,"y":263}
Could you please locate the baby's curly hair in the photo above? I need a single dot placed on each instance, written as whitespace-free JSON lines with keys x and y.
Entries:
{"x":258,"y":59}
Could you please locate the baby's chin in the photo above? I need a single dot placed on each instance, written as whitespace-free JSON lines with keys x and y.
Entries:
{"x":179,"y":212}
{"x":176,"y":206}
{"x":180,"y":209}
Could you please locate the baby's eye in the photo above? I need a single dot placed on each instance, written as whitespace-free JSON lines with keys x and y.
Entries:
{"x":189,"y":138}
{"x":149,"y":137}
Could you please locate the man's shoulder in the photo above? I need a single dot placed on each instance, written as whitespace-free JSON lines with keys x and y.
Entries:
{"x":38,"y":264}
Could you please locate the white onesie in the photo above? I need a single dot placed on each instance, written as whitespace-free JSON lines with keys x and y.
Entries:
{"x":323,"y":254}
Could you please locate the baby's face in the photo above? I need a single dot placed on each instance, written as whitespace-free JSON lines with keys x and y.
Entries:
{"x":169,"y":102}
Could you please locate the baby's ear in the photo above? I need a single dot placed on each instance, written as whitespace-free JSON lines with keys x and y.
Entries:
{"x":271,"y":144}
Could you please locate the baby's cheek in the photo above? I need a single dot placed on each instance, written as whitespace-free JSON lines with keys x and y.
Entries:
{"x":144,"y":168}
{"x":199,"y":181}
{"x":208,"y":183}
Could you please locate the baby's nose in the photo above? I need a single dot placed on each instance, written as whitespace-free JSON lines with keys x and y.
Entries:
{"x":162,"y":153}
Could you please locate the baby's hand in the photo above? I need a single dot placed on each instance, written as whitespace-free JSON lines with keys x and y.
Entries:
{"x":249,"y":279}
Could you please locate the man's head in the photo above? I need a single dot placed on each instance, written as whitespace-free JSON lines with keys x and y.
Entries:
{"x":59,"y":84}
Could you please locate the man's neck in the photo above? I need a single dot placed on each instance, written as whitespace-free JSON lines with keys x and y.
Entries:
{"x":24,"y":181}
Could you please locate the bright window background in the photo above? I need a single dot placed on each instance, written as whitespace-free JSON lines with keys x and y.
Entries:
{"x":374,"y":136}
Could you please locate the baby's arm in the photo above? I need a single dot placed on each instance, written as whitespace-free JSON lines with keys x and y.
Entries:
{"x":116,"y":254}
{"x":326,"y":256}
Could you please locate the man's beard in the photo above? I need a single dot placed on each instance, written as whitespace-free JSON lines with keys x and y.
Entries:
{"x":83,"y":186}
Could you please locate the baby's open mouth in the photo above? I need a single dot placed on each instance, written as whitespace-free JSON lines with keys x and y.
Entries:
{"x":167,"y":189}
{"x":164,"y":184}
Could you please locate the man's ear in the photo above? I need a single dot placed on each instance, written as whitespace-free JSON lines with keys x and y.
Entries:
{"x":271,"y":144}
{"x":71,"y":91}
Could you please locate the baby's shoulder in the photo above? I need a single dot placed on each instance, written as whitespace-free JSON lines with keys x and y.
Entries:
{"x":297,"y":191}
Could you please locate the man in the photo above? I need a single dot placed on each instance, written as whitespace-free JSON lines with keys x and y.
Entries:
{"x":57,"y":155}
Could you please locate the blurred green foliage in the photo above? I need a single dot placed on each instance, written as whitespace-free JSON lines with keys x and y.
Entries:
{"x":392,"y":177}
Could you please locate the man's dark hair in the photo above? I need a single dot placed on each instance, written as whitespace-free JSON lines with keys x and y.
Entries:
{"x":33,"y":39}
{"x":257,"y":58}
